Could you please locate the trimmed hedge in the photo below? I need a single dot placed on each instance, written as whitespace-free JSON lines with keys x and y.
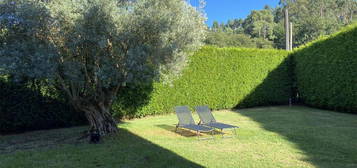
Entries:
{"x":28,"y":106}
{"x":218,"y":77}
{"x":326,"y":71}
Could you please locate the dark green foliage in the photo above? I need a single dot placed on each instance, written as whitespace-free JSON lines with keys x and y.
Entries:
{"x":326,"y":71}
{"x":219,"y":77}
{"x":225,"y":39}
{"x":131,"y":99}
{"x":263,"y":43}
{"x":25,"y":107}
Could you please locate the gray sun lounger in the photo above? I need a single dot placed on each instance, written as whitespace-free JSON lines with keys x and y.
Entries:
{"x":186,"y":121}
{"x":207,"y":119}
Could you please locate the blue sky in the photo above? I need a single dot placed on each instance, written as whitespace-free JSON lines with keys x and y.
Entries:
{"x":223,"y":10}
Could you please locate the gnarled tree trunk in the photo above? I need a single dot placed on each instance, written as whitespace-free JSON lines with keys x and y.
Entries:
{"x":101,"y":120}
{"x":97,"y":112}
{"x":95,"y":103}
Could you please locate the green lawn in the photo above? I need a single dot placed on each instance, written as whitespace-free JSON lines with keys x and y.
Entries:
{"x":268,"y":137}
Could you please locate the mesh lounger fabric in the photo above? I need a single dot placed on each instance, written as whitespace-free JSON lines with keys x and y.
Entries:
{"x":186,"y":121}
{"x":207,"y":118}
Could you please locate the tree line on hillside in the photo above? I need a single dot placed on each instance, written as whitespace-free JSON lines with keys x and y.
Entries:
{"x":265,"y":28}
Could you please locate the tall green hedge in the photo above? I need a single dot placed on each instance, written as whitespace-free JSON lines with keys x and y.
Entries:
{"x":218,"y":77}
{"x":31,"y":106}
{"x":326,"y":71}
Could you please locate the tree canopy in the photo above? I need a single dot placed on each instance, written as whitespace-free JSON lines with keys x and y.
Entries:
{"x":93,"y":48}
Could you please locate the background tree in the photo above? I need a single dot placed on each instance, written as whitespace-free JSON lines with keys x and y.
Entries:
{"x":256,"y":31}
{"x":224,"y":39}
{"x":311,"y":19}
{"x":314,"y":18}
{"x":94,"y":48}
{"x":215,"y":26}
{"x":236,"y":25}
{"x":260,"y":24}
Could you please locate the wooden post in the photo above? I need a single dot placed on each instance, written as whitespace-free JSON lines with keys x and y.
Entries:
{"x":287,"y":36}
{"x":291,"y":36}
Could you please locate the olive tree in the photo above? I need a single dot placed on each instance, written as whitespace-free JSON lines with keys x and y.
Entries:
{"x":94,"y":48}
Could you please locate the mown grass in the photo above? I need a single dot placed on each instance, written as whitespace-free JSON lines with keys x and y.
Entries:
{"x":268,"y":137}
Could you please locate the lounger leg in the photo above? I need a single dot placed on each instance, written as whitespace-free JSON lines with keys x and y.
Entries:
{"x":235,"y":132}
{"x":198,"y":135}
{"x":222,"y":132}
{"x":176,"y":128}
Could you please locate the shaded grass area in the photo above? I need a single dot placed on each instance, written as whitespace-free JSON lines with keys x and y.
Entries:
{"x":268,"y":137}
{"x":124,"y":150}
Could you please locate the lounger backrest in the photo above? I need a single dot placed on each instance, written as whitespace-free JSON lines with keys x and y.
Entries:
{"x":205,"y":114}
{"x":184,"y":115}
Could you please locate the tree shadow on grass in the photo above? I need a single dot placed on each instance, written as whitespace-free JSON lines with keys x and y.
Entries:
{"x":43,"y":139}
{"x":143,"y":153}
{"x":123,"y":150}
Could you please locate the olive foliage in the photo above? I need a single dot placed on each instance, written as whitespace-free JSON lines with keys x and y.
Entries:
{"x":94,"y":48}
